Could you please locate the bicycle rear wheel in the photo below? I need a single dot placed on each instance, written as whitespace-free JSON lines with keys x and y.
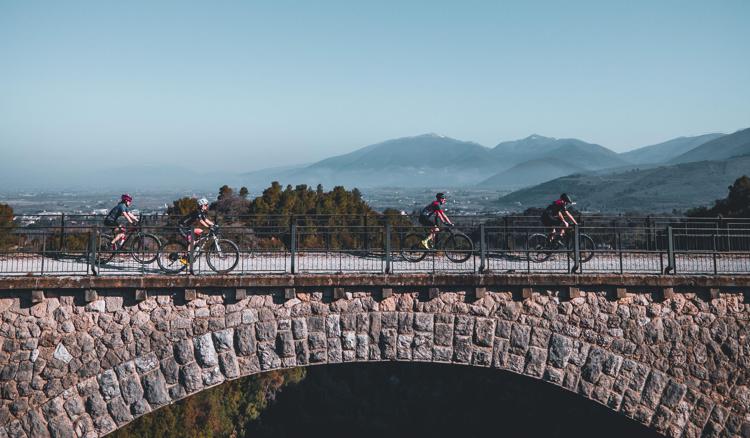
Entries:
{"x":172,"y":256}
{"x":144,"y":248}
{"x":537,"y":247}
{"x":458,"y":248}
{"x":412,"y":249}
{"x":222,"y":255}
{"x":104,"y":251}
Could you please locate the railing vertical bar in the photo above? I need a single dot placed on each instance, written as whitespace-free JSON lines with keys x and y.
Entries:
{"x":293,"y":249}
{"x":576,"y":249}
{"x":483,"y":248}
{"x":387,"y":248}
{"x":44,"y":251}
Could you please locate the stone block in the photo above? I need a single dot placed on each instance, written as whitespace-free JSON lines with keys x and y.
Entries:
{"x":191,"y":294}
{"x":240,"y":294}
{"x":386,"y":292}
{"x":141,"y":294}
{"x":527,"y":293}
{"x":573,"y":292}
{"x":667,"y":293}
{"x":37,"y":296}
{"x":480,"y":292}
{"x":338,"y":293}
{"x":621,"y":292}
{"x":290,"y":293}
{"x":433,"y":292}
{"x":713,"y":293}
{"x":90,"y":295}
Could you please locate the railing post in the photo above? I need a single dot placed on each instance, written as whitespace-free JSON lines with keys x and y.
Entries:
{"x":715,"y":254}
{"x":482,"y":249}
{"x":670,"y":252}
{"x":576,"y":250}
{"x":293,"y":248}
{"x":62,"y":232}
{"x":387,"y":248}
{"x":44,"y":250}
{"x":92,"y":252}
{"x":619,"y":249}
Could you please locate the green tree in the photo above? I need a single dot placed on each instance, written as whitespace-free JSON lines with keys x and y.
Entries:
{"x":6,"y":225}
{"x":182,"y":206}
{"x":225,"y":192}
{"x":244,"y":192}
{"x":736,"y":204}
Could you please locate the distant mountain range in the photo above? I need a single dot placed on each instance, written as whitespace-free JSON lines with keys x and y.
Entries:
{"x":678,"y":173}
{"x":679,"y":184}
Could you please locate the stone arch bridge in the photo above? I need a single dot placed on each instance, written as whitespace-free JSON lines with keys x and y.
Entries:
{"x":85,"y":356}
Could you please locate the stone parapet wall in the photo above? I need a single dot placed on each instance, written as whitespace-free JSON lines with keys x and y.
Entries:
{"x":71,"y":368}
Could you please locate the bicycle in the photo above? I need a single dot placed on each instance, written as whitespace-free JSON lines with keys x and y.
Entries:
{"x":456,"y":245}
{"x":141,"y":246}
{"x":222,"y":255}
{"x":541,"y":247}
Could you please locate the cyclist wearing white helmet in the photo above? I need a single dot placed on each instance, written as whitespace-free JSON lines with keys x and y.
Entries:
{"x":200,"y":215}
{"x":122,"y":209}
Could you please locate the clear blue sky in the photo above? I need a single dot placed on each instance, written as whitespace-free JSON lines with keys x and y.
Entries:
{"x":278,"y":82}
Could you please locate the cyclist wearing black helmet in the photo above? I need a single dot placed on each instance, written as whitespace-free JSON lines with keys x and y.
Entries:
{"x":557,"y":215}
{"x":430,"y":215}
{"x":122,"y":209}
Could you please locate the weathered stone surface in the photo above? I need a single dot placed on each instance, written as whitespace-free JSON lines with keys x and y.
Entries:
{"x":205,"y":352}
{"x":155,"y":388}
{"x":677,"y":367}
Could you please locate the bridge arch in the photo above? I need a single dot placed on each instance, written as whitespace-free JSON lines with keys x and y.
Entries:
{"x":71,"y":368}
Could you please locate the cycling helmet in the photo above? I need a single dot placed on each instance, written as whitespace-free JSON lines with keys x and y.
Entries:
{"x":202,"y":202}
{"x":566,"y":198}
{"x":440,"y":196}
{"x":126,"y":198}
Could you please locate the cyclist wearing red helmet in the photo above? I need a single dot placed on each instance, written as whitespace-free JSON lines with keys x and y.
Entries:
{"x":431,"y":216}
{"x":121,"y":209}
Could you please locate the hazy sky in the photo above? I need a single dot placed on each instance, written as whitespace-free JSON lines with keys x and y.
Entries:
{"x":245,"y":85}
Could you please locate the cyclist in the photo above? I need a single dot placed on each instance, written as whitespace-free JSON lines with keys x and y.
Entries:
{"x":122,"y":209}
{"x":430,"y":215}
{"x":556,"y":215}
{"x":186,"y":224}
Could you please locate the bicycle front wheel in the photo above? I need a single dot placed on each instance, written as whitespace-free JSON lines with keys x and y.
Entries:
{"x":172,"y":257}
{"x":412,"y":249}
{"x":222,"y":255}
{"x":586,"y":246}
{"x":145,"y":248}
{"x":538,"y":250}
{"x":458,"y":248}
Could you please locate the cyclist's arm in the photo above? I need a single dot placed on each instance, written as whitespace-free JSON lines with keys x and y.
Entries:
{"x":443,"y":217}
{"x":562,"y":218}
{"x":130,"y":217}
{"x":206,"y":222}
{"x":572,"y":219}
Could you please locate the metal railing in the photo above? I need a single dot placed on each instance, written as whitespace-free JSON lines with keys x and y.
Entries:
{"x":77,"y":248}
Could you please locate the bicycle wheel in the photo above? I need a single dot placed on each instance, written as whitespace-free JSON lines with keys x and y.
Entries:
{"x":458,"y":247}
{"x":412,"y":249}
{"x":538,"y":249}
{"x":222,"y":255}
{"x":172,"y":256}
{"x":104,"y":252}
{"x":144,"y":248}
{"x":586,"y":246}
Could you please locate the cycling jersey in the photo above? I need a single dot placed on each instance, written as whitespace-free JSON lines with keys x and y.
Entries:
{"x":115,"y":213}
{"x":551,"y":215}
{"x":193,"y":217}
{"x":428,"y":216}
{"x":432,"y":208}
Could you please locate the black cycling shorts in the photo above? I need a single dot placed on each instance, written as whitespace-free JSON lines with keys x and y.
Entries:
{"x":428,"y":221}
{"x":186,"y":232}
{"x":110,"y":223}
{"x":550,"y":221}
